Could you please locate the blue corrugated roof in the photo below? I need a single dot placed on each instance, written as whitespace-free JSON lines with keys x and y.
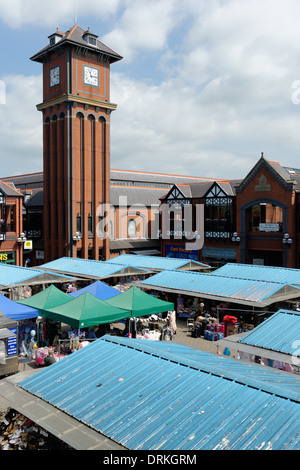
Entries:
{"x":157,"y":262}
{"x":260,"y":273}
{"x":244,"y":291}
{"x":11,"y":275}
{"x":161,"y":396}
{"x":87,"y":267}
{"x":280,"y":332}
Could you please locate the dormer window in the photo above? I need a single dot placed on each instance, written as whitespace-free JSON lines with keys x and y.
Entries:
{"x":54,"y":38}
{"x":90,"y":38}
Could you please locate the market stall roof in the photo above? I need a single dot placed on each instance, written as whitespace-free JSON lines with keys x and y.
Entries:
{"x":158,"y":263}
{"x":140,"y":303}
{"x":99,"y":289}
{"x":86,"y":310}
{"x":221,"y":288}
{"x":149,"y":395}
{"x":47,"y":298}
{"x":91,"y":269}
{"x":13,"y":276}
{"x":15,"y":311}
{"x":260,"y":273}
{"x":276,"y":338}
{"x":6,"y":333}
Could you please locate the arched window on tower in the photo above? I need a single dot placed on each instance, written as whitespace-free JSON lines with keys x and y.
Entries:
{"x":131,"y":228}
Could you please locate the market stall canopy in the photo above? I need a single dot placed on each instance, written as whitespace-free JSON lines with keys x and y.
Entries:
{"x":221,"y":288}
{"x":158,"y":263}
{"x":260,"y":273}
{"x":91,"y":269}
{"x":47,"y":298}
{"x":15,"y":276}
{"x":99,"y":289}
{"x":15,"y":311}
{"x":140,"y":303}
{"x":276,"y":338}
{"x":86,"y":310}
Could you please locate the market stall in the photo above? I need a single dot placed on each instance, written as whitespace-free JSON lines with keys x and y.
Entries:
{"x":86,"y":311}
{"x":141,"y":304}
{"x":99,"y":289}
{"x":8,"y":346}
{"x":47,"y":298}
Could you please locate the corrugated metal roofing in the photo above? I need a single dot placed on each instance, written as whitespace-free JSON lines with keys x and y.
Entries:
{"x":91,"y":268}
{"x":260,"y":273}
{"x":158,"y":263}
{"x":11,"y":275}
{"x":244,"y":291}
{"x":280,"y":332}
{"x":155,"y":397}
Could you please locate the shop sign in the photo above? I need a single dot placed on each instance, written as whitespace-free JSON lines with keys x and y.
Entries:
{"x":28,"y":245}
{"x":176,"y":251}
{"x":268,"y":227}
{"x":12,"y":344}
{"x":8,"y":257}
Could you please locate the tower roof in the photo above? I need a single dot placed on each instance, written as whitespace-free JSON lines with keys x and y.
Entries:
{"x":76,"y":36}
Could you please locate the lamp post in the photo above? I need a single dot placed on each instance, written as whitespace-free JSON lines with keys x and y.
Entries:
{"x":235,"y":237}
{"x":287,"y":241}
{"x":21,"y":240}
{"x":76,"y":237}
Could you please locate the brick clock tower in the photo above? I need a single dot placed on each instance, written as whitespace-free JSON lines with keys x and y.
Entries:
{"x":76,"y":111}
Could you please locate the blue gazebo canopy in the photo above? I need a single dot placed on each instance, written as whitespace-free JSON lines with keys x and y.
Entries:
{"x":16,"y":311}
{"x":99,"y":289}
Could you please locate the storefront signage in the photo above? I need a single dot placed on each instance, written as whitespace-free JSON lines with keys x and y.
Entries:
{"x":264,"y":227}
{"x":12,"y":343}
{"x":28,"y":245}
{"x":176,"y":251}
{"x":219,"y":253}
{"x":8,"y":257}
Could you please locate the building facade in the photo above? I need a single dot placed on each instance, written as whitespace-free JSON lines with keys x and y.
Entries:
{"x":13,"y":242}
{"x":254,"y":221}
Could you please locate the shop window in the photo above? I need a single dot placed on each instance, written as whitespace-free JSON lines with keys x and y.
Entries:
{"x":265,"y":217}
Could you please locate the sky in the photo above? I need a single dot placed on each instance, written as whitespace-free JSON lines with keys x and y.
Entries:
{"x":204,"y":86}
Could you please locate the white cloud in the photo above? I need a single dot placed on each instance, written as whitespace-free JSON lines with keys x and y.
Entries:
{"x":144,"y":26}
{"x":225,"y":95}
{"x":21,"y":126}
{"x":17,"y":13}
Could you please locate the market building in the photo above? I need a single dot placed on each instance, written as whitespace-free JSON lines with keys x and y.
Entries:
{"x":254,"y":220}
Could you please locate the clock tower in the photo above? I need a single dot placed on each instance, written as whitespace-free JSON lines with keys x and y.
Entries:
{"x":76,"y":112}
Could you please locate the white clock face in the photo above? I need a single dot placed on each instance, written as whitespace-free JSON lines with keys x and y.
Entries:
{"x":54,"y":76}
{"x":91,"y":75}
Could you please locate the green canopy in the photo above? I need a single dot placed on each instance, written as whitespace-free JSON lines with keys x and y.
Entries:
{"x":139,"y":303}
{"x":86,"y":310}
{"x":47,"y":298}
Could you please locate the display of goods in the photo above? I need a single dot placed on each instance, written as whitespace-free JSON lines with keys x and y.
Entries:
{"x":230,"y":319}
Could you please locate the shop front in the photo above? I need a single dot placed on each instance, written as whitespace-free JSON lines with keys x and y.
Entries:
{"x":8,"y":257}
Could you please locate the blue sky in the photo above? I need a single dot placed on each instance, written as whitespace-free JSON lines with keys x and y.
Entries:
{"x":204,"y":86}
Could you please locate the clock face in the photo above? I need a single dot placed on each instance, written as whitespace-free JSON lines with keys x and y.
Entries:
{"x":90,"y":75}
{"x":54,"y":76}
